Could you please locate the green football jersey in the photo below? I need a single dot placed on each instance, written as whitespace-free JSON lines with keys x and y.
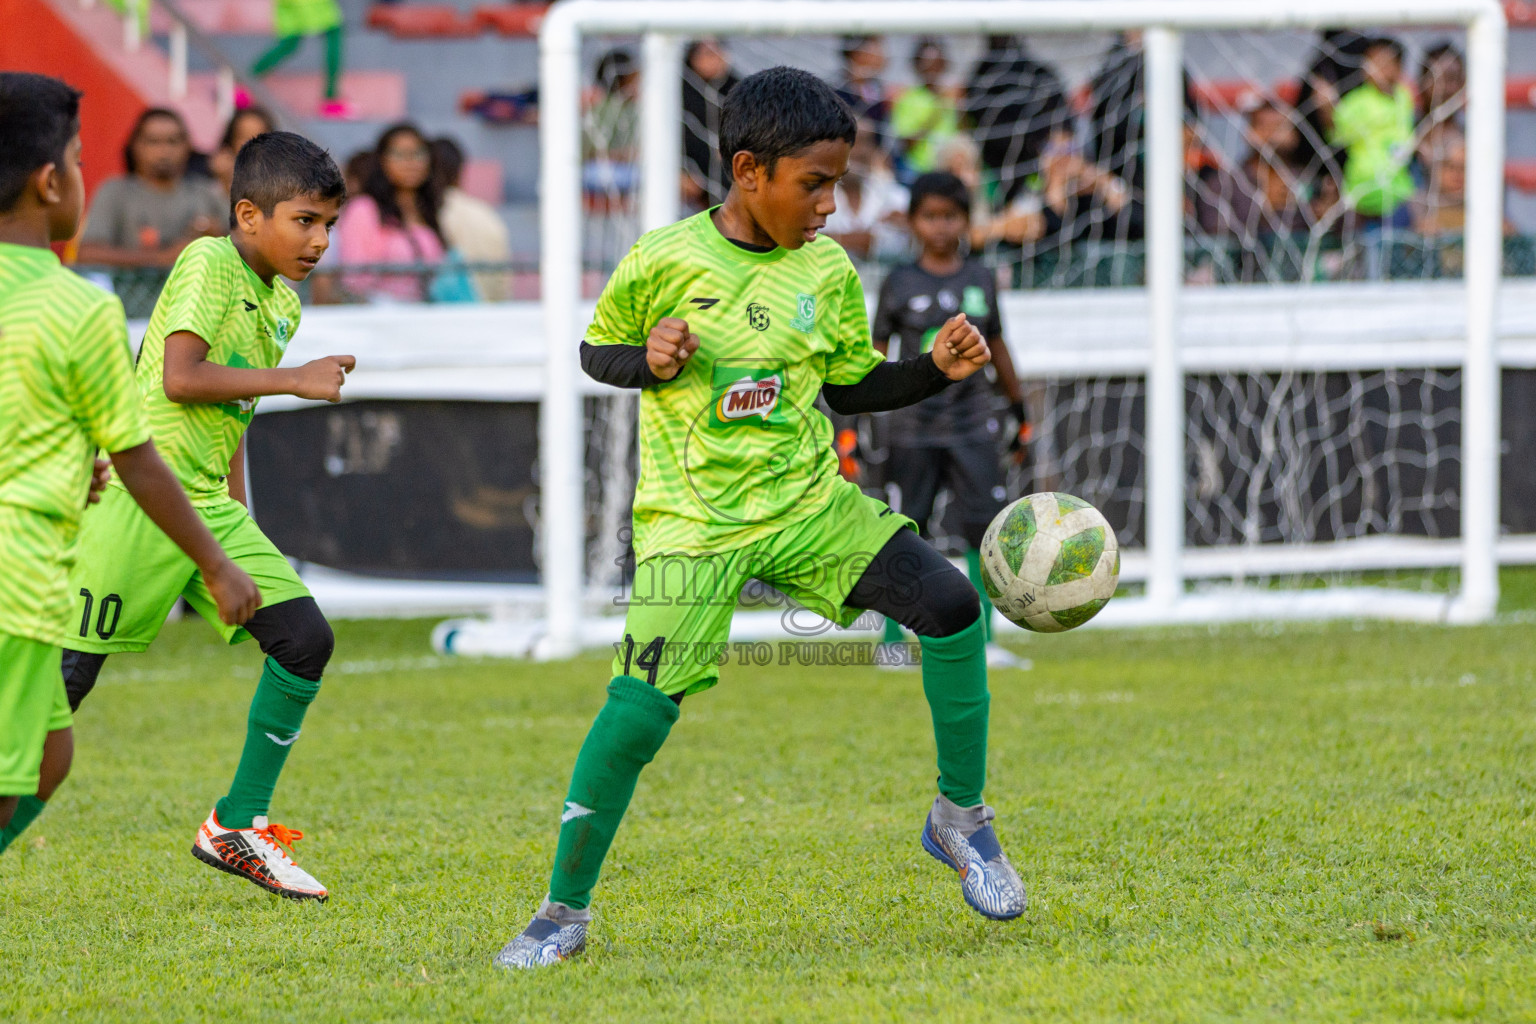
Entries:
{"x":733,"y":448}
{"x":212,"y":293}
{"x":66,"y":389}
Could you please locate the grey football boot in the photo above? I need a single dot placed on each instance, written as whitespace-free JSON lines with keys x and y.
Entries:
{"x":962,"y":838}
{"x":557,"y":932}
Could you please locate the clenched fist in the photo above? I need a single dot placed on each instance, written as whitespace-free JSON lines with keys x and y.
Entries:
{"x":959,"y":350}
{"x":669,"y":346}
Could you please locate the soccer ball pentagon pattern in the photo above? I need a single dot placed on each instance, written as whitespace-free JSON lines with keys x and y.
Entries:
{"x":1049,"y":562}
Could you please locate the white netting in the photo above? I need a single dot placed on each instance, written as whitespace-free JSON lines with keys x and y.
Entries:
{"x":1049,"y":134}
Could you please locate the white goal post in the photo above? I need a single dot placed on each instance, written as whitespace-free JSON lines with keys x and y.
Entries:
{"x":663,"y":24}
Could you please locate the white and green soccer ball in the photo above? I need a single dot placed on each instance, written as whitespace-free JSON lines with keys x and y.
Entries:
{"x":1049,"y":562}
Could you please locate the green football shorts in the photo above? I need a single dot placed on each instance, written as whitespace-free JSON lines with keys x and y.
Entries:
{"x":677,"y":629}
{"x":32,"y":704}
{"x":128,"y":575}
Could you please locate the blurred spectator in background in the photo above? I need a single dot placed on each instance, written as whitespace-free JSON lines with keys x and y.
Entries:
{"x":242,"y":128}
{"x":147,"y":216}
{"x":707,"y":79}
{"x":394,"y":219}
{"x":1012,"y":103}
{"x":924,"y":117}
{"x":871,"y":215}
{"x":1440,"y":208}
{"x":1020,"y":220}
{"x":292,"y":20}
{"x":1373,"y":124}
{"x":1442,"y":86}
{"x":1115,"y":143}
{"x":861,"y":88}
{"x":610,"y":129}
{"x":1258,"y":203}
{"x":1081,"y":198}
{"x":1333,"y":70}
{"x":472,"y":227}
{"x":356,"y":170}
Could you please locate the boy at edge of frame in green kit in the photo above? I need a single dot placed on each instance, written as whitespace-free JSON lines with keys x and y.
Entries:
{"x":731,"y":323}
{"x":66,"y":390}
{"x":219,"y":329}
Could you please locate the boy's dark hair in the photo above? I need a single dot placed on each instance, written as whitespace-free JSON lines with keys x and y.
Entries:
{"x":277,"y":166}
{"x":780,"y":111}
{"x":852,"y":44}
{"x":144,"y":118}
{"x":38,"y":117}
{"x":1376,"y":42}
{"x":1444,"y":48}
{"x":925,"y":43}
{"x":943,"y":185}
{"x":612,"y":66}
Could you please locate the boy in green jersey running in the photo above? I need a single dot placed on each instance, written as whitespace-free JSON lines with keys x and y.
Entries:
{"x":212,"y":349}
{"x":731,"y":323}
{"x":66,"y":390}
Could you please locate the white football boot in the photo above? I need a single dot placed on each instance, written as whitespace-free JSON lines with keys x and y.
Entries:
{"x":556,"y":933}
{"x":260,"y":854}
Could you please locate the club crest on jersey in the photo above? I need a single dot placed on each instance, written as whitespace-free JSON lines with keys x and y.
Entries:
{"x":804,"y":319}
{"x":283,"y":328}
{"x":973,"y":301}
{"x":743,"y":394}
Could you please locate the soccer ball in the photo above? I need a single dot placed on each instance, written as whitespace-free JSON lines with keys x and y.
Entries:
{"x":1049,"y":562}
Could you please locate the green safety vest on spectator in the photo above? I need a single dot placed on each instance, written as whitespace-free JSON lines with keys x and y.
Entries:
{"x":1376,"y":131}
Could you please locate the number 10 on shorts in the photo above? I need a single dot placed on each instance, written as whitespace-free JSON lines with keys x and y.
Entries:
{"x":107,"y":615}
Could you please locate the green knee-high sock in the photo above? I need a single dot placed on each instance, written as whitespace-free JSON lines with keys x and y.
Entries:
{"x":955,"y":683}
{"x":27,"y":810}
{"x":628,"y":731}
{"x":281,"y":50}
{"x":893,"y":634}
{"x":333,"y":39}
{"x":973,"y":570}
{"x":277,"y":714}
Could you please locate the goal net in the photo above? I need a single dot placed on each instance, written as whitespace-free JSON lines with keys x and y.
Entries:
{"x":1248,"y":263}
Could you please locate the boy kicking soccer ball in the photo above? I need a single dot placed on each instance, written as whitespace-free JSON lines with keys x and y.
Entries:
{"x":66,"y":390}
{"x":214,"y":341}
{"x":952,"y":437}
{"x":731,"y":323}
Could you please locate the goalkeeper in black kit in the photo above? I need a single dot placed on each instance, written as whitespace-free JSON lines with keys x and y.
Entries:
{"x":949,"y":439}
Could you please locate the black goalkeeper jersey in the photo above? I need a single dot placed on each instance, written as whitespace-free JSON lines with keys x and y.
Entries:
{"x":913,"y":306}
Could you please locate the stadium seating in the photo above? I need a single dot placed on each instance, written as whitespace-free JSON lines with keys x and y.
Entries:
{"x":444,"y":21}
{"x":515,"y":19}
{"x":421,"y":21}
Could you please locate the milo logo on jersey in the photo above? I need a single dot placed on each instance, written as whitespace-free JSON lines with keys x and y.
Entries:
{"x":746,"y":394}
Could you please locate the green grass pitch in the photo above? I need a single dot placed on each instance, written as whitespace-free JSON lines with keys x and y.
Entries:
{"x":1259,"y":823}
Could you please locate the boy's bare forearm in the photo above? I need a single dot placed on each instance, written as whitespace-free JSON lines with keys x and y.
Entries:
{"x":160,"y":495}
{"x":208,"y":383}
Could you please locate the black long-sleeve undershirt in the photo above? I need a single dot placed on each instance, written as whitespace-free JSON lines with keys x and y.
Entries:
{"x":886,"y":386}
{"x":622,"y":366}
